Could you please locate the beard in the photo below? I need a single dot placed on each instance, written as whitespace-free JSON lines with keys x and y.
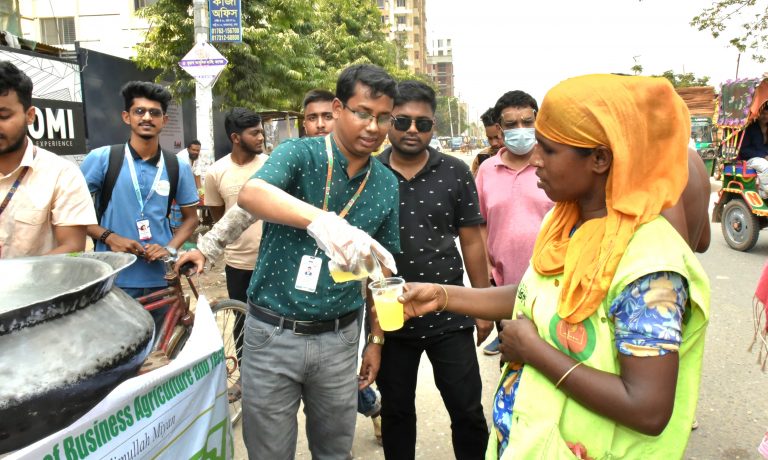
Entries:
{"x":409,"y":150}
{"x":252,"y":150}
{"x":15,"y":144}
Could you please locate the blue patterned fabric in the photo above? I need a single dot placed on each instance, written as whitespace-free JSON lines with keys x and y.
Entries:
{"x":648,"y":317}
{"x":502,"y":407}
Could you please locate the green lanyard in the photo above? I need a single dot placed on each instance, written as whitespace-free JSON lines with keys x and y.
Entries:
{"x":345,"y":211}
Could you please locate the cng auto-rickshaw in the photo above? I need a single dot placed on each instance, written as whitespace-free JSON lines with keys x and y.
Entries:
{"x":741,"y":211}
{"x":702,"y":135}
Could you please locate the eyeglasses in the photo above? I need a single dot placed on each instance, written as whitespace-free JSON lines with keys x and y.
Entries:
{"x":141,"y":111}
{"x":382,"y":120}
{"x":423,"y":125}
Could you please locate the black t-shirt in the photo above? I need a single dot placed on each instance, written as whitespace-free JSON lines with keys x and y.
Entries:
{"x":433,"y":205}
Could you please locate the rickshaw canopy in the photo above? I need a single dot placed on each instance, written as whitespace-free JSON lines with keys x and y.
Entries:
{"x":740,"y":102}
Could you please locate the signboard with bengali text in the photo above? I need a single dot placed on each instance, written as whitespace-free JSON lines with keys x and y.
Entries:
{"x":226,"y":21}
{"x":204,"y":63}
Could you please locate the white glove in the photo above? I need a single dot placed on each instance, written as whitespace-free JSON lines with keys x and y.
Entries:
{"x":368,"y":248}
{"x":346,"y":245}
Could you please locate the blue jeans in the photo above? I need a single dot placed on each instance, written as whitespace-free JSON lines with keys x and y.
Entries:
{"x":157,"y":315}
{"x":279,"y":370}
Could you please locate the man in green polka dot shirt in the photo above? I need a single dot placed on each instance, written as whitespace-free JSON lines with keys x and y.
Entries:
{"x":318,"y":197}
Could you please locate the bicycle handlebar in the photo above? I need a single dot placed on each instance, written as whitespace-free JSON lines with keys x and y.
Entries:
{"x":188,"y":269}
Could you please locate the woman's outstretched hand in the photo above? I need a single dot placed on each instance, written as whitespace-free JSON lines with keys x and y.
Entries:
{"x":421,"y":298}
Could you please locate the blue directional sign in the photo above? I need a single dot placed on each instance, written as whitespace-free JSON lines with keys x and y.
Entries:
{"x":226,"y":21}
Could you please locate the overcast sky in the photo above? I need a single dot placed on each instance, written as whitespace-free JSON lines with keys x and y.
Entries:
{"x":501,"y":45}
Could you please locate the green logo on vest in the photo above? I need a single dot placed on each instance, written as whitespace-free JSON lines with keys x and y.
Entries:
{"x":522,"y":291}
{"x":575,"y":340}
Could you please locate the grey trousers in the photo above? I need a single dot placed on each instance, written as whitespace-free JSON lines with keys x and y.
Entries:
{"x":280,"y":369}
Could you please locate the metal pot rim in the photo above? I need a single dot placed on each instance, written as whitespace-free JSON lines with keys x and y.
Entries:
{"x":71,"y":299}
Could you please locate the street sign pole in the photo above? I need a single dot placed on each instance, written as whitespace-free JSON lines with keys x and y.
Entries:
{"x":203,"y":93}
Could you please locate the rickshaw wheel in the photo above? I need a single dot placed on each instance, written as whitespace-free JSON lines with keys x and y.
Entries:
{"x":740,"y":227}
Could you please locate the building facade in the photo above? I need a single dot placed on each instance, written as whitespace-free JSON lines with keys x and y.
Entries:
{"x":440,"y":66}
{"x":404,"y":21}
{"x":111,"y":27}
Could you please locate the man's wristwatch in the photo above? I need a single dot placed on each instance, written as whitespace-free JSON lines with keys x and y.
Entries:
{"x":171,"y":251}
{"x":375,"y":339}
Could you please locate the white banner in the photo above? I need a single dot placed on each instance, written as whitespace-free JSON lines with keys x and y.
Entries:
{"x":179,"y":411}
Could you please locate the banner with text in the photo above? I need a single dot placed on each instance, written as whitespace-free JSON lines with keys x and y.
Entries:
{"x":226,"y":21}
{"x":59,"y":126}
{"x":179,"y":411}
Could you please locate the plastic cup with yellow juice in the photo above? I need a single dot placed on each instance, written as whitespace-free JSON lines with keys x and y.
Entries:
{"x":388,"y":308}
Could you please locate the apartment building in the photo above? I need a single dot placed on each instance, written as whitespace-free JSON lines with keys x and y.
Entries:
{"x":440,"y":66}
{"x":110,"y":27}
{"x":404,"y":21}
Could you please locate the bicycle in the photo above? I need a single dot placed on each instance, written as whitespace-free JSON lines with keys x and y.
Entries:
{"x":230,"y":318}
{"x":177,"y":323}
{"x":177,"y":326}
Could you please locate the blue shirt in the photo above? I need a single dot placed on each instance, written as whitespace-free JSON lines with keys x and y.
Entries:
{"x":123,"y":210}
{"x":753,"y":145}
{"x":299,"y":167}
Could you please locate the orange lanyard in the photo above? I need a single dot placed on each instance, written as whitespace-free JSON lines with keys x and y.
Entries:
{"x":345,"y":211}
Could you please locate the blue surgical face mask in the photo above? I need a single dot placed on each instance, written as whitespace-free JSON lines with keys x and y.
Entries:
{"x":520,"y":141}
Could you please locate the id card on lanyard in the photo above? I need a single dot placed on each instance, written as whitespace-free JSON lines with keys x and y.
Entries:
{"x":309,"y":270}
{"x":142,"y":223}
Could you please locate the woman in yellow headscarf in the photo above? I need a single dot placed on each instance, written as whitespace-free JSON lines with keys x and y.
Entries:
{"x":606,"y":343}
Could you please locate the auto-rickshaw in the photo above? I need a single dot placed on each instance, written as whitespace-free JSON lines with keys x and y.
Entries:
{"x":702,"y":135}
{"x":741,"y":211}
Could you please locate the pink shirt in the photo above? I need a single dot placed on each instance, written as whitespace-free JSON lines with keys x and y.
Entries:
{"x":513,"y":207}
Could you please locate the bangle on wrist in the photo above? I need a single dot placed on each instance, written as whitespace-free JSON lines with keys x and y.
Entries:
{"x":442,"y":309}
{"x":105,"y":235}
{"x":567,"y":373}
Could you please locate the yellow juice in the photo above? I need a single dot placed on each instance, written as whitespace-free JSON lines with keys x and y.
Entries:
{"x":389,"y":310}
{"x":342,"y":277}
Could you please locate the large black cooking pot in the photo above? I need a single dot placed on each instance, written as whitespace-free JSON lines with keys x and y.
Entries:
{"x":60,"y":355}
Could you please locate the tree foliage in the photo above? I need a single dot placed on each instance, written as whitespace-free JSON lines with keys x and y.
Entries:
{"x":684,"y":80}
{"x":288,"y":48}
{"x":725,"y":15}
{"x":456,"y":117}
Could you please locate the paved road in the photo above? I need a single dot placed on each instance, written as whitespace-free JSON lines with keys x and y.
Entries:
{"x":733,"y":413}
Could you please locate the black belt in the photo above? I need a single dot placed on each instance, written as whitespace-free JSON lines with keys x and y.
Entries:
{"x":301,"y":327}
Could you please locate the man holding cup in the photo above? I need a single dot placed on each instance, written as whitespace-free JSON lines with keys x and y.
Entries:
{"x":321,"y":198}
{"x":438,"y":202}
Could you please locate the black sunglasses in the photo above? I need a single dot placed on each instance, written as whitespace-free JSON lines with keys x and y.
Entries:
{"x":404,"y":124}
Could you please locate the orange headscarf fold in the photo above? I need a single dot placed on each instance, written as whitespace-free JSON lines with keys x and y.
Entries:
{"x":647,"y":126}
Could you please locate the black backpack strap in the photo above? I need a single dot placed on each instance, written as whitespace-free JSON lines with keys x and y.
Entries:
{"x":172,"y":166}
{"x":116,"y":155}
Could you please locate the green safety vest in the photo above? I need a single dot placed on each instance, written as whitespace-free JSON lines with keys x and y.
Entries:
{"x":544,"y":417}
